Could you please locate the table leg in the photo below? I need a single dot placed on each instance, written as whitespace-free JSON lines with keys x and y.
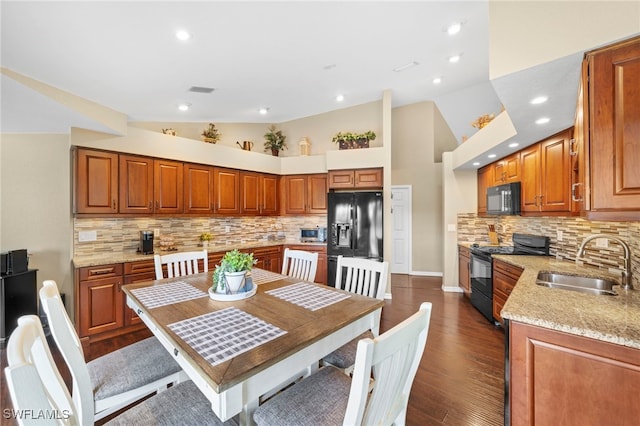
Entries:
{"x":246,"y":415}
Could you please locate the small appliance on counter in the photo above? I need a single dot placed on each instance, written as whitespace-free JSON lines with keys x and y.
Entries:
{"x":146,"y":242}
{"x":14,"y":262}
{"x":313,"y":235}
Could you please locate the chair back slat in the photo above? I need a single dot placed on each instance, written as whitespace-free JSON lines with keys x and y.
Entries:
{"x":180,"y":264}
{"x":362,"y":276}
{"x":300,"y":264}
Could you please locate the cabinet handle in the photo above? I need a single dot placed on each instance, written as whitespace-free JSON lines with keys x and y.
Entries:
{"x":571,"y":150}
{"x":150,"y":205}
{"x":114,"y":204}
{"x":573,"y":192}
{"x":535,"y":201}
{"x":101,"y":271}
{"x":157,"y":204}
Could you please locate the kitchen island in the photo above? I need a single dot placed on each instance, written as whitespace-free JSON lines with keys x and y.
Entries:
{"x":571,"y":358}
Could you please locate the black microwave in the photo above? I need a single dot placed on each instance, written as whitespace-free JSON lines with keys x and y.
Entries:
{"x":504,"y":199}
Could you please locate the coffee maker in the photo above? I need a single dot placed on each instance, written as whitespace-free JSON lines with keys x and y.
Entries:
{"x":146,"y":242}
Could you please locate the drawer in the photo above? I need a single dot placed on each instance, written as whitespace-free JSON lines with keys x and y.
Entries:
{"x":503,"y":283}
{"x":313,"y":248}
{"x":139,"y":267}
{"x":100,"y":272}
{"x":507,"y":269}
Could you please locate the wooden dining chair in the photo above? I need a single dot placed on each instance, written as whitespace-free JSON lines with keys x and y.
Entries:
{"x":361,"y":276}
{"x":300,"y":264}
{"x":35,"y":385}
{"x":329,"y":397}
{"x":180,"y":264}
{"x":112,"y":381}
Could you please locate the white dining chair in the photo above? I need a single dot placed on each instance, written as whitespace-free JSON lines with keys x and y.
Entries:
{"x":329,"y":397}
{"x":300,"y":264}
{"x":179,"y":264}
{"x":112,"y":381}
{"x":36,"y":386}
{"x":361,"y":276}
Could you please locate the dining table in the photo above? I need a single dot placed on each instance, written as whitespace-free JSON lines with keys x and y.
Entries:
{"x":239,"y":348}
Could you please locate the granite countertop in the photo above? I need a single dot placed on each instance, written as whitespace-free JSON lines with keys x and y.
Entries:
{"x":614,"y":319}
{"x":107,"y":258}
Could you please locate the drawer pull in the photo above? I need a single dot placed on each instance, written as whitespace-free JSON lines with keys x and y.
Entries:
{"x":101,"y":271}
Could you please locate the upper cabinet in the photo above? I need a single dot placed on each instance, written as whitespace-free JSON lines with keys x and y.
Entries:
{"x":96,"y":182}
{"x":614,"y":131}
{"x":226,"y":190}
{"x":304,"y":194}
{"x":507,"y":170}
{"x":356,"y":179}
{"x":485,"y":180}
{"x":258,"y":194}
{"x":198,"y":189}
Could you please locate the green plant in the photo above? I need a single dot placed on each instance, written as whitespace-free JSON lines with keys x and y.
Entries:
{"x":352,"y":137}
{"x":211,"y":132}
{"x":274,"y":139}
{"x":232,"y":261}
{"x":205,"y":236}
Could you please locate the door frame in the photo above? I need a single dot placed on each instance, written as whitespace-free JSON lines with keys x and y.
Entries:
{"x":409,"y":189}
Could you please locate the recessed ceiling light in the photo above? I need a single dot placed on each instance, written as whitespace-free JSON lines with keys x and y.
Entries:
{"x":476,"y":164}
{"x":406,"y":66}
{"x":329,"y":67}
{"x":543,"y":120}
{"x":339,"y":98}
{"x":538,"y":100}
{"x":454,"y":28}
{"x":437,"y":80}
{"x":184,"y":107}
{"x":491,"y":156}
{"x":183,"y":35}
{"x":263,"y":111}
{"x":455,"y":58}
{"x":513,"y":144}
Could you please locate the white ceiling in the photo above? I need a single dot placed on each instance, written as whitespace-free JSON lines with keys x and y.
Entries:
{"x":290,"y":57}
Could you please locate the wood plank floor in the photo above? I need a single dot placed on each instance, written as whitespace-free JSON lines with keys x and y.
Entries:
{"x":461,"y":377}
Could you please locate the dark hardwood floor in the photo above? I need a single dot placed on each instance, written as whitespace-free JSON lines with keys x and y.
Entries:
{"x":461,"y":377}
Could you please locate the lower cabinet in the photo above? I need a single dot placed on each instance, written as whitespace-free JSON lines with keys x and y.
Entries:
{"x":464,"y":265}
{"x":505,"y":277}
{"x":268,"y":258}
{"x":321,"y":271}
{"x":557,"y":378}
{"x":135,"y":272}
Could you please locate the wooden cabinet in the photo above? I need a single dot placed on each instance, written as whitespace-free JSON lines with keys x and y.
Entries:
{"x":168,"y":186}
{"x":135,"y":272}
{"x":198,"y":189}
{"x":269,"y":194}
{"x":464,"y":268}
{"x":356,"y":179}
{"x":99,"y":304}
{"x":321,"y":249}
{"x":304,"y":194}
{"x":505,"y":277}
{"x":507,"y":170}
{"x":556,"y":378}
{"x":614,"y":114}
{"x":579,"y":150}
{"x":546,"y":175}
{"x":227,"y":191}
{"x":269,"y":258}
{"x":258,"y":193}
{"x":485,"y":180}
{"x":96,"y":182}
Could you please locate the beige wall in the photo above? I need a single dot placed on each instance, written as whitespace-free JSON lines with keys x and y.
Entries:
{"x":36,"y":203}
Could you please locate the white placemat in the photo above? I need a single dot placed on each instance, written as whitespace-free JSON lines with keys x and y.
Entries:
{"x":221,"y":335}
{"x":261,"y":276}
{"x":308,"y":296}
{"x":167,"y":294}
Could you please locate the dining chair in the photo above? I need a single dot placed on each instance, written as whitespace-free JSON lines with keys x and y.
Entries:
{"x":329,"y":397}
{"x":361,"y":276}
{"x":179,"y":264}
{"x":300,"y":264}
{"x":112,"y":381}
{"x":36,"y":386}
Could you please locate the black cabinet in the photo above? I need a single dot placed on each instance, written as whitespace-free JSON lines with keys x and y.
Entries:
{"x":18,"y":296}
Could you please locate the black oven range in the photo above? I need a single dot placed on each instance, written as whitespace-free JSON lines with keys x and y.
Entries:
{"x":482,"y":270}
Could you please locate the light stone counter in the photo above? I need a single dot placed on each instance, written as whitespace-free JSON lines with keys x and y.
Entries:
{"x":107,"y":258}
{"x":614,"y":319}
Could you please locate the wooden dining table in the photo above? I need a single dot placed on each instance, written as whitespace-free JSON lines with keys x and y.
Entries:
{"x":237,"y":351}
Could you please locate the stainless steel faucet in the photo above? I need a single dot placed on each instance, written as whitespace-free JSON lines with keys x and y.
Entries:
{"x":626,"y":273}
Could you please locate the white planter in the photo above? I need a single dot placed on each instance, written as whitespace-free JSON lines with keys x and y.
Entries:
{"x":235,"y":280}
{"x":205,"y":244}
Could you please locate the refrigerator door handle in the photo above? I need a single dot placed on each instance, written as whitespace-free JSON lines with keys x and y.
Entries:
{"x":354,"y":228}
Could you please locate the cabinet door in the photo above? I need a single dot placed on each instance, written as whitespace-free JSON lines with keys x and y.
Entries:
{"x":464,"y":277}
{"x":249,"y":193}
{"x":168,"y":186}
{"x":96,"y":182}
{"x":101,"y":306}
{"x":555,"y":174}
{"x":614,"y":114}
{"x":511,"y":168}
{"x":341,"y":179}
{"x":485,"y":180}
{"x":295,"y":194}
{"x":530,"y":186}
{"x":227,"y":191}
{"x":269,"y":195}
{"x":136,"y":184}
{"x":368,"y":178}
{"x":198,"y":189}
{"x":317,"y":200}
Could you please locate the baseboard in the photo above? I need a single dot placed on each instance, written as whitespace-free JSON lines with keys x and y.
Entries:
{"x":387,"y":296}
{"x":426,"y":274}
{"x":451,"y":289}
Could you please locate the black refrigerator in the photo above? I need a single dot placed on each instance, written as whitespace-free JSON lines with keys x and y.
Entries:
{"x":354,"y":228}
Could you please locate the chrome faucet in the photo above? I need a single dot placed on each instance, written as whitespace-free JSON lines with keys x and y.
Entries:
{"x":626,"y":273}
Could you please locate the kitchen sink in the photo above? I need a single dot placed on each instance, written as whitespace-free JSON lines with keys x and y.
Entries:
{"x":590,"y":285}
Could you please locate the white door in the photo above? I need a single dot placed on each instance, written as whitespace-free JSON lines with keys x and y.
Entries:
{"x":401,"y":233}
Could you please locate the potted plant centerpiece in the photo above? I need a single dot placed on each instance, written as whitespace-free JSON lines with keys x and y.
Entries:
{"x":274,"y":140}
{"x":350,"y":140}
{"x":229,"y":275}
{"x":211,"y":134}
{"x":205,"y":237}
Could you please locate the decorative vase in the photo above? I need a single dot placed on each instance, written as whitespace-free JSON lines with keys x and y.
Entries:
{"x":235,"y":280}
{"x":205,"y":244}
{"x":275,"y":152}
{"x":209,"y":140}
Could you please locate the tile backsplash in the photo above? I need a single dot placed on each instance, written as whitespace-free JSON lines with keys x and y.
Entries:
{"x":118,"y":235}
{"x":572,"y":230}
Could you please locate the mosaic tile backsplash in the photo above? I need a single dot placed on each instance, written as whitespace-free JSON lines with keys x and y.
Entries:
{"x":123,"y":235}
{"x":473,"y":229}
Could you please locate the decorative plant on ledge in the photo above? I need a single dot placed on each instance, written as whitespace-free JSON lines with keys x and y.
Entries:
{"x":211,"y":134}
{"x":350,"y":140}
{"x":274,"y":141}
{"x":233,"y":264}
{"x":205,"y":237}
